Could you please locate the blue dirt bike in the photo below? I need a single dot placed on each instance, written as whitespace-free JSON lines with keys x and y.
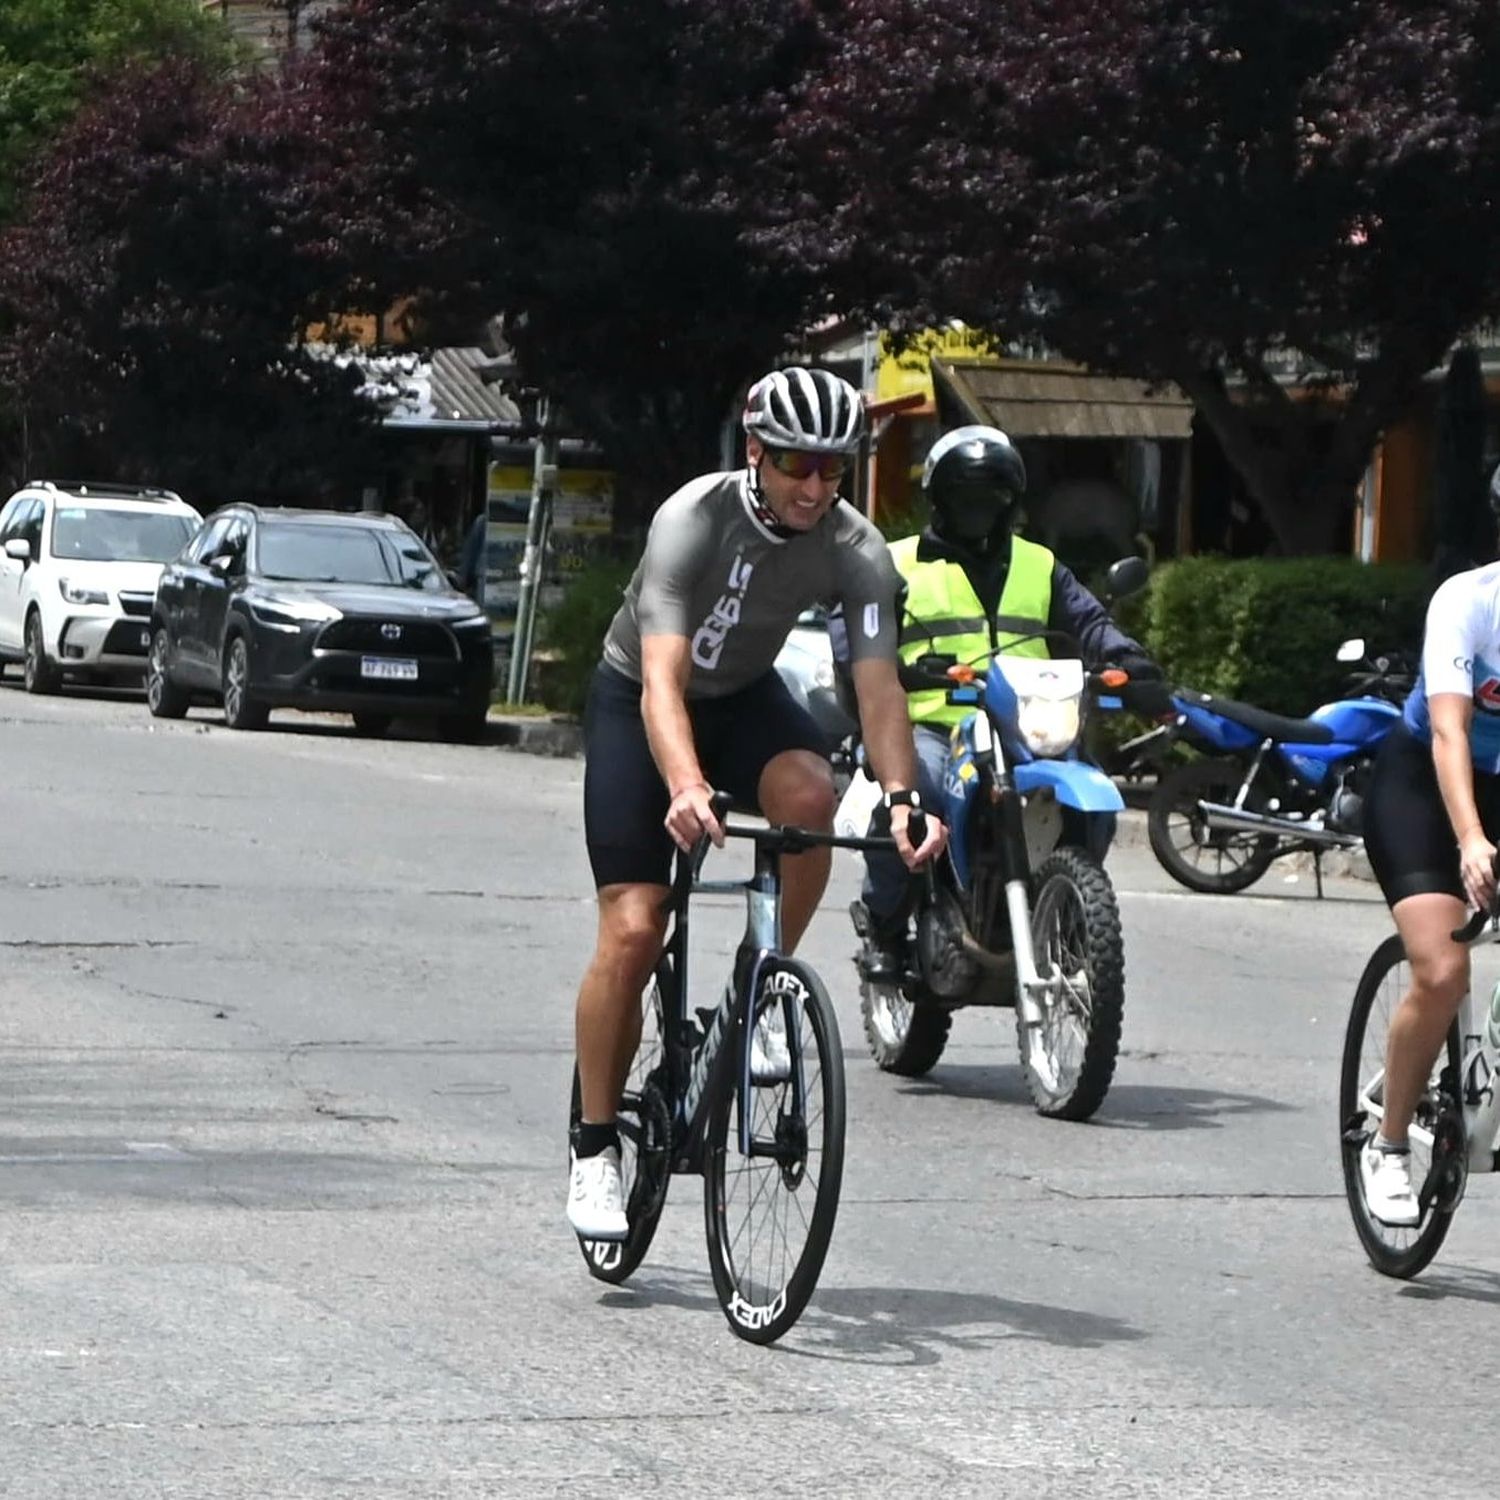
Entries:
{"x":1019,"y":912}
{"x":1271,"y":786}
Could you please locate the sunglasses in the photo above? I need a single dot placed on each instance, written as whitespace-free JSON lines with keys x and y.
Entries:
{"x":796,"y":464}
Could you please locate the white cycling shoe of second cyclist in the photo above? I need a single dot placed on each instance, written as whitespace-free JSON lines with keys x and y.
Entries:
{"x":596,"y":1197}
{"x":1388,"y":1189}
{"x":770,"y":1058}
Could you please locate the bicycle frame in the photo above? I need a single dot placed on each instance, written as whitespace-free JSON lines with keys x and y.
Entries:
{"x":695,"y":1068}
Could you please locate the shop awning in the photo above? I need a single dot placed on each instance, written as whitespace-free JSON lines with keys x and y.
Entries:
{"x":1036,"y":398}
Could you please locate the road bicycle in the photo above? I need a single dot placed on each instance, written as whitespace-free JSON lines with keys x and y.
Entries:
{"x":1457,"y":1126}
{"x":771,"y":1153}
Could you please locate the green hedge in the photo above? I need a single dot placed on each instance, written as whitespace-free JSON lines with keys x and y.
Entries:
{"x":572,"y":634}
{"x":1266,"y":629}
{"x":1261,"y":629}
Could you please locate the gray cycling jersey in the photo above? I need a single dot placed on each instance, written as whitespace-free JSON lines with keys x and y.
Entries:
{"x":716,"y":574}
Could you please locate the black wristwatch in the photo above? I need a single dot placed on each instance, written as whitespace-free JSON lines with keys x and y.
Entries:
{"x":906,"y":797}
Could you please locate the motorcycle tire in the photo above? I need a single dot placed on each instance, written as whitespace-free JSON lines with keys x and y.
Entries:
{"x":1069,"y":1059}
{"x":904,"y":1038}
{"x":1238,"y":859}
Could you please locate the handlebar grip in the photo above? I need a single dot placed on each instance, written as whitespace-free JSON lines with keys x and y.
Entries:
{"x":916,"y":827}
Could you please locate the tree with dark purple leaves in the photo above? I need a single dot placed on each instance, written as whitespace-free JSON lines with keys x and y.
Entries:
{"x":1218,"y":193}
{"x":176,"y":245}
{"x":602,"y":165}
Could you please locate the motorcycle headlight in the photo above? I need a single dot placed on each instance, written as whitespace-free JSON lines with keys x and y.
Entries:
{"x":76,"y":593}
{"x":1048,"y":725}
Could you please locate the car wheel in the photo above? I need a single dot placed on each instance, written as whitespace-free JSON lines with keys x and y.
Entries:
{"x":241,"y":711}
{"x":163,"y":696}
{"x":41,"y":673}
{"x":373,"y":725}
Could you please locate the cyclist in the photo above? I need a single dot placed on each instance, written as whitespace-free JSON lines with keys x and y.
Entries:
{"x":686,"y":700}
{"x":1431,"y":822}
{"x":962,"y":574}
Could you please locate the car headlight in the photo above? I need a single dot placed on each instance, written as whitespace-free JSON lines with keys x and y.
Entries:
{"x":76,"y":593}
{"x":292,"y":614}
{"x":472,"y":622}
{"x":1048,"y":725}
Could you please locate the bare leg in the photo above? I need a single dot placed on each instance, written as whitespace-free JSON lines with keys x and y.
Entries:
{"x":608,"y":1024}
{"x":1440,"y":977}
{"x":796,"y":787}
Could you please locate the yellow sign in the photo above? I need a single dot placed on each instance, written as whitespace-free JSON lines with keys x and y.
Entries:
{"x":911,"y":371}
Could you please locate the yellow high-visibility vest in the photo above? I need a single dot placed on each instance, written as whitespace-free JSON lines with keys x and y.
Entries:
{"x":943,"y":615}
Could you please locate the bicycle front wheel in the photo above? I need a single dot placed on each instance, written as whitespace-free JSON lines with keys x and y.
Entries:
{"x":1393,"y":1251}
{"x":769,"y":1215}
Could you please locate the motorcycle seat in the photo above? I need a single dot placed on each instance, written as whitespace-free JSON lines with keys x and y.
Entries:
{"x":1268,"y":726}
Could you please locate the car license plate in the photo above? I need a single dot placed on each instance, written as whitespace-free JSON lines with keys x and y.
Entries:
{"x":399,"y":668}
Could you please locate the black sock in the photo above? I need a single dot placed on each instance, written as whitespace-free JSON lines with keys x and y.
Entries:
{"x":595,"y":1139}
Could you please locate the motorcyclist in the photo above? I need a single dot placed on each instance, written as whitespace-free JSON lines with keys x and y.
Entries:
{"x":964,"y":573}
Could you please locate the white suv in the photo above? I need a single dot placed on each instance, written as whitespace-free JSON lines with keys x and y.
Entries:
{"x":78,"y":571}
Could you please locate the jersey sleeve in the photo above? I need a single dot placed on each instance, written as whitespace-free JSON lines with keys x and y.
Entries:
{"x":679,"y":547}
{"x":1453,"y":637}
{"x":868,"y":588}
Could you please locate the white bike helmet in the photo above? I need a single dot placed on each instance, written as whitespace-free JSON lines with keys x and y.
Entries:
{"x":810,"y":410}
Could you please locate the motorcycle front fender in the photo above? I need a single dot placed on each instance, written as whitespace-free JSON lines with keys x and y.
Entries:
{"x":1074,"y":783}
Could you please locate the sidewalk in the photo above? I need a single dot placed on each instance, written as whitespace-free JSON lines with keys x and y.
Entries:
{"x":559,"y":735}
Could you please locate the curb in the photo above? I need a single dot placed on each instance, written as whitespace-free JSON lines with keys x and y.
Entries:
{"x":557,"y":736}
{"x":562,"y":737}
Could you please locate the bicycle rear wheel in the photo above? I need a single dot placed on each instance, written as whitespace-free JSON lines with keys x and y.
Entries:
{"x":769,"y":1216}
{"x":1395,"y":1251}
{"x":645,"y":1148}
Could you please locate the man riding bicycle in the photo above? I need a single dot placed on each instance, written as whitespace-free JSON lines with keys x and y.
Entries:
{"x":966,"y":571}
{"x":1431,"y":822}
{"x":687,"y":700}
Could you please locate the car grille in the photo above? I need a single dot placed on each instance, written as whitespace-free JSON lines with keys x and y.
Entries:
{"x":138,"y":605}
{"x":417,"y":638}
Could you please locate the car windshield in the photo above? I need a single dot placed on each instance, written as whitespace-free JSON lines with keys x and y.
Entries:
{"x":346,"y":554}
{"x":93,"y":533}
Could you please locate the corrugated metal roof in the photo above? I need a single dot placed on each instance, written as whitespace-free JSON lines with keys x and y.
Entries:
{"x":457,"y":388}
{"x":437,"y":389}
{"x":1045,"y":399}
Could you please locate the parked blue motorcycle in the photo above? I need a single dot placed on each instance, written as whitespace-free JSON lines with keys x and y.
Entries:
{"x":1019,"y":912}
{"x":1271,"y":786}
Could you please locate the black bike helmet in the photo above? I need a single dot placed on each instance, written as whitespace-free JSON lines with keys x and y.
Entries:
{"x":973,"y":480}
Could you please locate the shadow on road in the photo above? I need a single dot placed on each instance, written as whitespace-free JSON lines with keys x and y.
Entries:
{"x":1126,"y":1106}
{"x":892,"y":1325}
{"x":1466,"y":1283}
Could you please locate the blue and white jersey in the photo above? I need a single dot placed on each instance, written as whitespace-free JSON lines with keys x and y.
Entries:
{"x":1461,"y":654}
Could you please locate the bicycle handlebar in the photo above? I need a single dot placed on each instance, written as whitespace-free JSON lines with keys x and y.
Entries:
{"x":1479,"y":918}
{"x":785,"y":839}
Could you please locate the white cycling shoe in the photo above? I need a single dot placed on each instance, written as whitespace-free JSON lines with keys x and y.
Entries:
{"x":596,"y":1197}
{"x":1388,"y":1190}
{"x":770,"y":1059}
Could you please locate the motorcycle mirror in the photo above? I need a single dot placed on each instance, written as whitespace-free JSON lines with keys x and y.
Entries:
{"x":1126,"y":577}
{"x":1352,"y":650}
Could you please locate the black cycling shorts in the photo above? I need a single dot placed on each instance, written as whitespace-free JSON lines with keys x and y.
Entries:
{"x":625,"y":800}
{"x":1408,"y":837}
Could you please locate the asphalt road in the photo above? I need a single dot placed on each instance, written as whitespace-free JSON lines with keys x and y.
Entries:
{"x":285,"y":1037}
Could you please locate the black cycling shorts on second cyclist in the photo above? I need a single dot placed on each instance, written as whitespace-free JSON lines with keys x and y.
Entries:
{"x":1408,"y":837}
{"x":624,"y":798}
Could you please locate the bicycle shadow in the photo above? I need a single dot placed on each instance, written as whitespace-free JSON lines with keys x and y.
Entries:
{"x":1466,"y":1283}
{"x":912,"y":1328}
{"x":1127,"y":1106}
